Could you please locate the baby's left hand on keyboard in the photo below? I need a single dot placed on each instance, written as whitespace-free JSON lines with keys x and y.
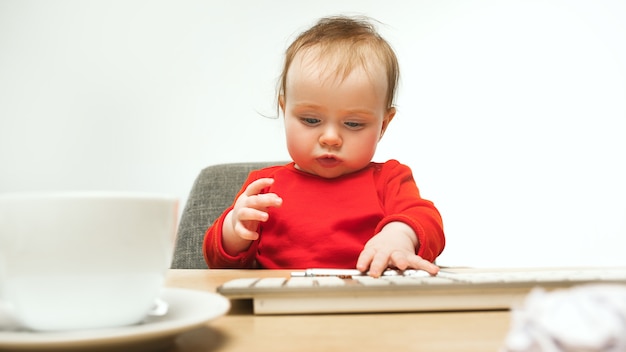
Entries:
{"x":394,"y":247}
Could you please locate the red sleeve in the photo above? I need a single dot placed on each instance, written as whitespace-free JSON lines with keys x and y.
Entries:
{"x":402,"y":202}
{"x":213,"y":248}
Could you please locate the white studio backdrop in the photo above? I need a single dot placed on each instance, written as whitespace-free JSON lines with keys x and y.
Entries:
{"x":512,"y":114}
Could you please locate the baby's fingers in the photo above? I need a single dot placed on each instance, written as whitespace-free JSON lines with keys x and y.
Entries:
{"x":373,"y":262}
{"x":263,"y":201}
{"x":365,"y":258}
{"x":257,"y":186}
{"x":253,"y":198}
{"x":251,"y":214}
{"x":417,"y":262}
{"x":242,"y":231}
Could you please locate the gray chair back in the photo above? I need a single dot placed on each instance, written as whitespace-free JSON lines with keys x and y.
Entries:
{"x":213,"y":191}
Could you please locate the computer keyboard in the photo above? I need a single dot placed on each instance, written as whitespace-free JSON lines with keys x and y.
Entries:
{"x":450,"y":290}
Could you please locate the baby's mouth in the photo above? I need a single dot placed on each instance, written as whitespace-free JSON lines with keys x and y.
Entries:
{"x":328,"y":161}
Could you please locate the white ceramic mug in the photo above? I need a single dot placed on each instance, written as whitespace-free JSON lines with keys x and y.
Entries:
{"x":83,"y":260}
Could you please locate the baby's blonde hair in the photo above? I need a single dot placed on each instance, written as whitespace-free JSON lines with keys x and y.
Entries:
{"x":352,"y":42}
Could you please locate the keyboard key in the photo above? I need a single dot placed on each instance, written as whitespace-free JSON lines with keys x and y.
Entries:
{"x":301,"y":282}
{"x":330,"y":281}
{"x":240,"y":283}
{"x":270,"y":282}
{"x":415,"y":273}
{"x":435,"y":280}
{"x":371,"y":281}
{"x":404,"y":280}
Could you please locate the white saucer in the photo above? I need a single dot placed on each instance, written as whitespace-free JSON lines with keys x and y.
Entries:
{"x":187,"y":309}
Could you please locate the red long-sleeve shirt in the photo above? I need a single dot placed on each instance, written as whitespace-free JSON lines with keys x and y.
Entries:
{"x":325,"y":223}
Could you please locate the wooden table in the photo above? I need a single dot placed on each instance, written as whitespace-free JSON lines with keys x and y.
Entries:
{"x":240,"y":330}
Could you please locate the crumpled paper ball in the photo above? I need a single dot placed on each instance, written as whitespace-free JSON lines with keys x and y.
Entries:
{"x":586,"y":318}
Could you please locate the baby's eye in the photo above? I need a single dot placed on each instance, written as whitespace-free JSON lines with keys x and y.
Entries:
{"x":311,"y":121}
{"x":354,"y":125}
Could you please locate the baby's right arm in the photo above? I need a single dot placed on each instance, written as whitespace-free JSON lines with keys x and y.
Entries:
{"x":241,"y":224}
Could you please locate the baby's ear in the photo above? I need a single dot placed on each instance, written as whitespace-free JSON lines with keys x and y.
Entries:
{"x":281,"y":102}
{"x":386,"y":120}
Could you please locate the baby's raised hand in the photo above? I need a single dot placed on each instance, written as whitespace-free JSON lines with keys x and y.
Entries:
{"x":394,"y":246}
{"x":251,"y":208}
{"x":241,"y":224}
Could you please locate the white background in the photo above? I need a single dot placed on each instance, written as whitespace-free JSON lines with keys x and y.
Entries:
{"x":512,"y":114}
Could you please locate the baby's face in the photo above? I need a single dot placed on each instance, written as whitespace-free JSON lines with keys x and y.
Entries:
{"x":333,"y":124}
